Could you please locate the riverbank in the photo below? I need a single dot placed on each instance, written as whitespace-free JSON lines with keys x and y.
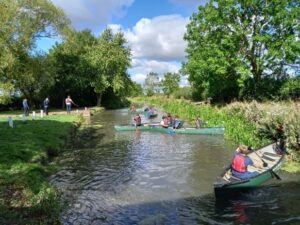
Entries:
{"x":250,"y":123}
{"x":26,"y":161}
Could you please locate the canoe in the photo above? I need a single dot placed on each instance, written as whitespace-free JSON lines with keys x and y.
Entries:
{"x":130,"y":127}
{"x":190,"y":130}
{"x":139,"y":111}
{"x":158,"y":128}
{"x":226,"y":181}
{"x":150,"y":116}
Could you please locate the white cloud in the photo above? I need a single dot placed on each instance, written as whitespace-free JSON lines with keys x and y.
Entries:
{"x":160,"y":38}
{"x":189,"y":3}
{"x":139,"y":78}
{"x":160,"y":67}
{"x":92,"y":14}
{"x":140,"y":68}
{"x":157,"y":45}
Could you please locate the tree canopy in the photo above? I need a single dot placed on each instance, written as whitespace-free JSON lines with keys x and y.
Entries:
{"x":234,"y":45}
{"x":81,"y":65}
{"x":22,"y":23}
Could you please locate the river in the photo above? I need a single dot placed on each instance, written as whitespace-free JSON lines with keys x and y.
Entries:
{"x":153,"y":178}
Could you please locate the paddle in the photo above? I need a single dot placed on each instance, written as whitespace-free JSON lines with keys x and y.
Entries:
{"x":265,"y":164}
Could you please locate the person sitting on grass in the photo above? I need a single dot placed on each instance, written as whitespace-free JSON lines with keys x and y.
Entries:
{"x":240,"y":163}
{"x":137,"y":121}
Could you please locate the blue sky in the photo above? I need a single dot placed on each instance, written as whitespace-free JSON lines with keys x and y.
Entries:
{"x":154,"y":29}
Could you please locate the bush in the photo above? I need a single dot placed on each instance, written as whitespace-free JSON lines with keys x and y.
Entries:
{"x":184,"y":92}
{"x":291,"y":88}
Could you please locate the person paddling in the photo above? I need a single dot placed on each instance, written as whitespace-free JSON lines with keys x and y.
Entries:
{"x":165,"y":122}
{"x":137,"y":120}
{"x":240,"y":163}
{"x":169,"y":119}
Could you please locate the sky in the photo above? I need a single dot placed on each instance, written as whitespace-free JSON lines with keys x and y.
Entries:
{"x":154,"y":29}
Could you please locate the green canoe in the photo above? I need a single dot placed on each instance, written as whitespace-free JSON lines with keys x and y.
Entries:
{"x":268,"y":154}
{"x":131,"y":127}
{"x":158,"y":128}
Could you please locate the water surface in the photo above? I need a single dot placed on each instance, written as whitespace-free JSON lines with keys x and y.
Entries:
{"x":153,"y":178}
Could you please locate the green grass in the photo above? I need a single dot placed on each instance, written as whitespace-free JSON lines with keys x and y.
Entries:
{"x":26,"y":153}
{"x":291,"y":167}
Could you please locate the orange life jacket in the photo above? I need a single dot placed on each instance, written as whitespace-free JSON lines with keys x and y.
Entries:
{"x":238,"y":163}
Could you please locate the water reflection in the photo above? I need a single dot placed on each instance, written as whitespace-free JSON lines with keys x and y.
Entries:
{"x":153,"y":178}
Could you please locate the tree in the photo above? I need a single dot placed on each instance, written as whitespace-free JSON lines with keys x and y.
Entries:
{"x":232,"y":44}
{"x":135,"y":89}
{"x":152,"y":84}
{"x":22,"y":23}
{"x":110,"y":56}
{"x":71,"y":69}
{"x":170,"y":83}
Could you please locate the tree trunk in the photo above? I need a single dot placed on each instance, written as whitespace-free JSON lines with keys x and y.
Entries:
{"x":99,"y":98}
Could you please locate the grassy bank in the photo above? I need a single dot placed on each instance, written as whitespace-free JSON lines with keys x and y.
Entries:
{"x":26,"y":161}
{"x":250,"y":123}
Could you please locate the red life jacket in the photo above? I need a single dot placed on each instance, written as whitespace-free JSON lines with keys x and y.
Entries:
{"x":238,"y":163}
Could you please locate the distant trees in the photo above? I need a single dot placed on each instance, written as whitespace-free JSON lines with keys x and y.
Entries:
{"x":170,"y":83}
{"x":236,"y":47}
{"x":152,"y":84}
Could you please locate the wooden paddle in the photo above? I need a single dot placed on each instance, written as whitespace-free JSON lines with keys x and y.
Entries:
{"x":265,"y":164}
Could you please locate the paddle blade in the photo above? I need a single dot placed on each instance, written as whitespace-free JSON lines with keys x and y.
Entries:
{"x":275,"y":175}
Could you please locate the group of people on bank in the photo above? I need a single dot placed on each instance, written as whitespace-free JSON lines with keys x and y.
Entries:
{"x":46,"y":104}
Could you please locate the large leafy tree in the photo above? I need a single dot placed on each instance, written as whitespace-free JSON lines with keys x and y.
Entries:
{"x":72,"y":71}
{"x":110,"y":56}
{"x":232,"y":44}
{"x":22,"y":22}
{"x":170,"y":83}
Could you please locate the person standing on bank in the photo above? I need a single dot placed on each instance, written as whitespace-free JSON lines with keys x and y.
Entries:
{"x":25,"y":107}
{"x":46,"y":105}
{"x":69,"y":103}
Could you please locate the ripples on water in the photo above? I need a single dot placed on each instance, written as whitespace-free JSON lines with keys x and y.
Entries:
{"x":153,"y":178}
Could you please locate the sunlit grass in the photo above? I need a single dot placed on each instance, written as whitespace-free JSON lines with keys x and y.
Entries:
{"x":26,"y":153}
